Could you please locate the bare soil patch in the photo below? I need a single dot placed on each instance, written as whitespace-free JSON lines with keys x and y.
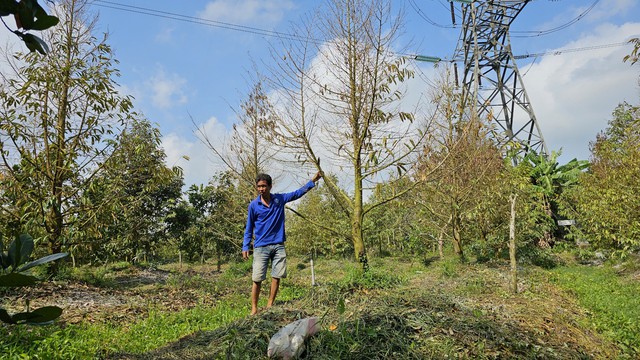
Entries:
{"x":128,"y":296}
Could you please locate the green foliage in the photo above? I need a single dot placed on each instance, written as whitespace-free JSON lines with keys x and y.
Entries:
{"x":100,"y":276}
{"x":12,"y":265}
{"x":449,"y":267}
{"x":238,"y":269}
{"x":612,"y":303}
{"x":398,"y":226}
{"x":29,"y":15}
{"x":60,"y":113}
{"x":86,"y":341}
{"x":635,"y":53}
{"x":213,"y":220}
{"x":543,"y":194}
{"x":318,"y":226}
{"x":604,"y":203}
{"x":136,"y":188}
{"x":422,"y":316}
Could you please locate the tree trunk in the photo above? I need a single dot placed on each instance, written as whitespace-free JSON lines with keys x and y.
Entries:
{"x":356,"y":217}
{"x":512,"y":245}
{"x":457,"y":240}
{"x":547,"y":239}
{"x":441,"y":238}
{"x":219,"y":262}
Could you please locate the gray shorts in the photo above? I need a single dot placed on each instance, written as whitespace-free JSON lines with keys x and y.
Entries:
{"x":261,"y":257}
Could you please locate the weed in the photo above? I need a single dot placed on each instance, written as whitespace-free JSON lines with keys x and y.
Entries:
{"x":449,"y":267}
{"x":375,"y":278}
{"x":99,"y":276}
{"x":238,"y":269}
{"x":612,"y":302}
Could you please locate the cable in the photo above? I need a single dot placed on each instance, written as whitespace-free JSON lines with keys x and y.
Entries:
{"x":560,"y":52}
{"x":258,"y":31}
{"x":426,"y":18}
{"x":534,"y":33}
{"x":197,"y":20}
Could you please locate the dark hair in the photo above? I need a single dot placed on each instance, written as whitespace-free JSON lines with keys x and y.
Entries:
{"x":264,"y":177}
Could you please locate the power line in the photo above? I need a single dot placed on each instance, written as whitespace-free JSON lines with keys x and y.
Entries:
{"x":533,"y":55}
{"x":199,"y":21}
{"x":514,"y":33}
{"x":535,"y":33}
{"x":426,"y":18}
{"x":560,"y":52}
{"x":294,"y":37}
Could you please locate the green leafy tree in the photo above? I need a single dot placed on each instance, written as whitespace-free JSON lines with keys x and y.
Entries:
{"x":28,"y":15}
{"x":399,"y":227}
{"x":607,"y":199}
{"x":59,"y":114}
{"x":139,"y":189}
{"x":219,"y":217}
{"x":181,"y":217}
{"x":229,"y":216}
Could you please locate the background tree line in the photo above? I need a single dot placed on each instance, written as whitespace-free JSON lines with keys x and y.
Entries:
{"x":83,"y":172}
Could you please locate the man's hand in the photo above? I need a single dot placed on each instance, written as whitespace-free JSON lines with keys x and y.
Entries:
{"x":245,"y":255}
{"x":317,"y":177}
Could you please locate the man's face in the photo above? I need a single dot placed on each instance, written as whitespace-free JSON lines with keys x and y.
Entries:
{"x":262,"y":187}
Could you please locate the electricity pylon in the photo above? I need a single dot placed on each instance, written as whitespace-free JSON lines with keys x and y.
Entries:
{"x":491,"y":77}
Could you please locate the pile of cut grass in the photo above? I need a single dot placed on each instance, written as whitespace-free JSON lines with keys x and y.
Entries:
{"x":388,"y":314}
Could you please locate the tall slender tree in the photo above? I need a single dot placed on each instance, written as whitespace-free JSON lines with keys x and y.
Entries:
{"x":337,"y":96}
{"x":462,"y":160}
{"x":247,"y":152}
{"x":58,"y":114}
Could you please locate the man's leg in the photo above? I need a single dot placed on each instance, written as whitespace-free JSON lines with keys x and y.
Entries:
{"x":259,"y":273}
{"x":278,"y":271}
{"x":275,"y":284}
{"x":255,"y":294}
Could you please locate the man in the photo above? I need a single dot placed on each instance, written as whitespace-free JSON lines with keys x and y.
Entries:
{"x":265,"y":222}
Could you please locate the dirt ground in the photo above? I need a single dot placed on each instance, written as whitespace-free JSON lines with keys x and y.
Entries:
{"x":129,"y":296}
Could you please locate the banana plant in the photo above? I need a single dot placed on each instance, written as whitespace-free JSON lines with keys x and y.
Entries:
{"x":13,"y":264}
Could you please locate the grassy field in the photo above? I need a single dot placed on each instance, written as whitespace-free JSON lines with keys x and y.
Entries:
{"x":401,"y":308}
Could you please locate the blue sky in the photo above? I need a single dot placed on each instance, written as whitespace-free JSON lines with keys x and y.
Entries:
{"x":180,"y":67}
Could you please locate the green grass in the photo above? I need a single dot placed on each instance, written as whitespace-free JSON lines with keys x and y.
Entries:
{"x":89,"y":341}
{"x":399,"y":309}
{"x":613,"y":303}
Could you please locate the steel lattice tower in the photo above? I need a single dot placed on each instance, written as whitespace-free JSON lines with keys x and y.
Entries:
{"x":491,"y":75}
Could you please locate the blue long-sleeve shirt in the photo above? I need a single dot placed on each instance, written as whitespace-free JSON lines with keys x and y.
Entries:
{"x":267,"y":223}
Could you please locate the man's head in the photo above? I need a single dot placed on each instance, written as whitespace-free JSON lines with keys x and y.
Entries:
{"x":264,"y":177}
{"x":263,"y":184}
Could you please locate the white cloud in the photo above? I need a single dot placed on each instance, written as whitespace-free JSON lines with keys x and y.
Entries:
{"x":165,"y":36}
{"x":574,"y":94}
{"x":248,"y":12}
{"x":609,"y":8}
{"x":167,"y":90}
{"x":196,"y":159}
